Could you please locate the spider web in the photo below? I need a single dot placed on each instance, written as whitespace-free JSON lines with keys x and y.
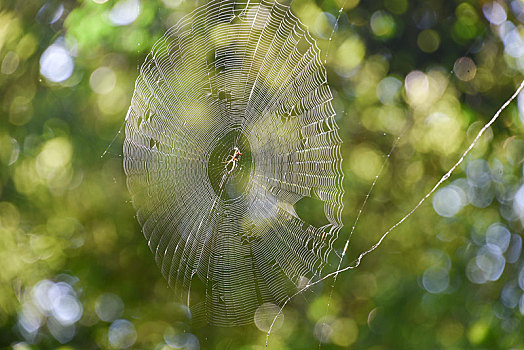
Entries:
{"x":228,"y":239}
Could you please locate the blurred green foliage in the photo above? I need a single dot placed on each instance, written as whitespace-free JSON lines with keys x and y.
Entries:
{"x":428,"y":74}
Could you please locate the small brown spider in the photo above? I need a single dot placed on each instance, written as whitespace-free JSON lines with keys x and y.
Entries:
{"x":232,"y":159}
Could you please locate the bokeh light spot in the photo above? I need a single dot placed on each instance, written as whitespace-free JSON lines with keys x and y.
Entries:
{"x":324,"y":24}
{"x":510,"y":295}
{"x":478,"y":173}
{"x":518,"y":202}
{"x":27,"y":46}
{"x":102,"y":80}
{"x":448,"y":201}
{"x":465,"y":69}
{"x":494,"y":12}
{"x":388,"y":90}
{"x":490,"y":262}
{"x":365,"y":162}
{"x":428,"y":40}
{"x":61,"y":333}
{"x":416,"y":84}
{"x":513,"y":43}
{"x":479,"y":331}
{"x":520,"y":105}
{"x":435,"y":279}
{"x":396,"y":6}
{"x":514,"y":250}
{"x":521,"y":278}
{"x":344,"y":332}
{"x":29,"y":318}
{"x":10,"y":63}
{"x":466,"y":13}
{"x":177,"y":336}
{"x":265,"y":314}
{"x":382,"y":24}
{"x":122,"y":334}
{"x":67,"y":310}
{"x":498,"y":237}
{"x":349,"y":55}
{"x":50,"y":12}
{"x":323,"y":329}
{"x":56,"y":64}
{"x":20,"y":110}
{"x":54,"y":305}
{"x":109,"y":307}
{"x":124,"y":12}
{"x":55,"y":155}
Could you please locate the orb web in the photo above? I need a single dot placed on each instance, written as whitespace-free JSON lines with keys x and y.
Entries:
{"x":234,"y":76}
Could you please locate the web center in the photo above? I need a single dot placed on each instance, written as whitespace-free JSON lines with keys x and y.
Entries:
{"x":232,"y":160}
{"x":229,"y":165}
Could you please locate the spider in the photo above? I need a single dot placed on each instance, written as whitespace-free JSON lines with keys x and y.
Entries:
{"x":233,"y":159}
